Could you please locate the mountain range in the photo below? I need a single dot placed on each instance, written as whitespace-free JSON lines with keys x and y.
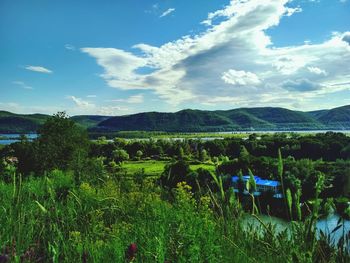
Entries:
{"x":262,"y":118}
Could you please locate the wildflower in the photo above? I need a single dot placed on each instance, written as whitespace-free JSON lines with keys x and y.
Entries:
{"x":131,"y":252}
{"x":4,"y":258}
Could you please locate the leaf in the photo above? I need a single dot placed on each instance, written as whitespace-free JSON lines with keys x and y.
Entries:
{"x":339,"y":220}
{"x":289,"y":201}
{"x":42,"y":208}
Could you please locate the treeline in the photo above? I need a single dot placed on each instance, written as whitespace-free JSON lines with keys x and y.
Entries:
{"x":328,"y":146}
{"x":304,"y":156}
{"x":63,"y":145}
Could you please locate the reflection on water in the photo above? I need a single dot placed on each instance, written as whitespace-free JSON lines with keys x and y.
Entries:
{"x":325,"y":224}
{"x":328,"y":224}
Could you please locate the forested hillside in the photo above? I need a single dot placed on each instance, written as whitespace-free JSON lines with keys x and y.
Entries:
{"x":264,"y":118}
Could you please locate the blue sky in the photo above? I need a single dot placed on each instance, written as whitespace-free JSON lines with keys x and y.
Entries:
{"x":121,"y":57}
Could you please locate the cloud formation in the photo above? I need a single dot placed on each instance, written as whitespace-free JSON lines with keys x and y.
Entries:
{"x":87,"y":107}
{"x":317,"y":70}
{"x":69,"y":47}
{"x":80,"y":102}
{"x":39,"y":69}
{"x":300,"y":85}
{"x":134,"y":99}
{"x":167,"y":12}
{"x":234,"y":50}
{"x":240,"y":77}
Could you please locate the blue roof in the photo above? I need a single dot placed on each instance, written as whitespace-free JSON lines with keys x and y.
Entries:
{"x":258,"y":180}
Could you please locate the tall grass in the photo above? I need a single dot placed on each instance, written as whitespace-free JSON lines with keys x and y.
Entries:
{"x":51,"y":219}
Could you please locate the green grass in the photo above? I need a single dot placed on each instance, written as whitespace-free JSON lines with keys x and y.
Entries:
{"x":156,"y":168}
{"x":207,"y":166}
{"x":151,"y":168}
{"x":51,"y":219}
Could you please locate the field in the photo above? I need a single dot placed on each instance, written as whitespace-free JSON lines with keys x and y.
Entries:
{"x":150,"y":168}
{"x":155,"y":168}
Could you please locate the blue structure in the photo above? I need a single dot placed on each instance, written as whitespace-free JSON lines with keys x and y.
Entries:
{"x":262,"y":185}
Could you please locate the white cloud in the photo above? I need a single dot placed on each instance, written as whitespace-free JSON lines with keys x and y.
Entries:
{"x":111,"y":110}
{"x":91,"y":96}
{"x":167,"y":12}
{"x":291,"y":11}
{"x":22,"y":85}
{"x":134,"y":99}
{"x":86,"y":107}
{"x":119,"y":66}
{"x":80,"y":102}
{"x":69,"y":47}
{"x":317,"y":71}
{"x":192,"y":69}
{"x":240,"y":77}
{"x":38,"y":69}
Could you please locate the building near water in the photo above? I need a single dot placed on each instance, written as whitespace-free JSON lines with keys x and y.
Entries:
{"x":262,"y":185}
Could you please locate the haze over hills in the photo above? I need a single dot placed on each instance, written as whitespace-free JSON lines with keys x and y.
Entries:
{"x":263,"y":118}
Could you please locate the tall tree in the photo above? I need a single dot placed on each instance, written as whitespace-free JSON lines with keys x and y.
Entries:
{"x":61,"y":143}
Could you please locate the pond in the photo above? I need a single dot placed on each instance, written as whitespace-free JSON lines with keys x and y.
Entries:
{"x":326,"y":225}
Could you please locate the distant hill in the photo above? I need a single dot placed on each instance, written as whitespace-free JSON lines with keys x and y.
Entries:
{"x":88,"y":121}
{"x":337,"y":117}
{"x":262,"y":118}
{"x":29,"y":123}
{"x":20,"y":123}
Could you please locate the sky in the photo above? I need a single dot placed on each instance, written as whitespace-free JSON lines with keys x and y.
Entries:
{"x":122,"y":57}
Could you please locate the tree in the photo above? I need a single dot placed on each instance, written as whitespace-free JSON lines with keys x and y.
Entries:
{"x":61,"y":144}
{"x":120,"y":156}
{"x":240,"y":183}
{"x":203,"y":155}
{"x":139,"y":154}
{"x":175,"y":173}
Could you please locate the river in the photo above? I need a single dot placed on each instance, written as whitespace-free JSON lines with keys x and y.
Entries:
{"x":14,"y":137}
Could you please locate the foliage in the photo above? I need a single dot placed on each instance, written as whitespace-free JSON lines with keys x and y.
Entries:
{"x":175,"y":173}
{"x":120,"y":156}
{"x":85,"y":207}
{"x":61,"y":143}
